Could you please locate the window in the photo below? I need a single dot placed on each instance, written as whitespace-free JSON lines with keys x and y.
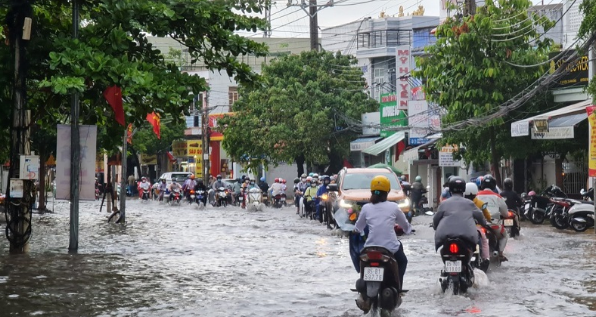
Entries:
{"x":232,"y":97}
{"x":362,"y":180}
{"x":363,"y":40}
{"x":392,"y":38}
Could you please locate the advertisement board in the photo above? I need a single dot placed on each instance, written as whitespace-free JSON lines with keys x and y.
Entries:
{"x":577,"y":72}
{"x":391,"y":115}
{"x":88,"y":140}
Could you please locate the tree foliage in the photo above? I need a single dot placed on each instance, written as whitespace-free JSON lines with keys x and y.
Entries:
{"x":298,"y":113}
{"x":112,"y":49}
{"x":469,"y":72}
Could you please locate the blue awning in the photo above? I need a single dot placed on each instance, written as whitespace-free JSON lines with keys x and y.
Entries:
{"x":362,"y":144}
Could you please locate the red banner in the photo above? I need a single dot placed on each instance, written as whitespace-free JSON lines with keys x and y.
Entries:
{"x":592,"y":147}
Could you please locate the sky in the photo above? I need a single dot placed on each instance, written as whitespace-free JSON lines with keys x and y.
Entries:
{"x":293,"y":21}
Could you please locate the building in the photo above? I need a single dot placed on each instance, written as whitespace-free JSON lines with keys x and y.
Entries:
{"x":219,"y":101}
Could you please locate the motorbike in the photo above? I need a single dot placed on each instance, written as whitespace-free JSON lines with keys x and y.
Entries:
{"x":238,"y":199}
{"x":581,"y":216}
{"x":200,"y":197}
{"x":254,"y":199}
{"x":379,"y":283}
{"x":145,"y":195}
{"x":277,"y":201}
{"x":326,"y":210}
{"x":175,"y":197}
{"x":587,"y":195}
{"x":221,"y":197}
{"x":511,"y":223}
{"x":191,"y":196}
{"x":457,"y":273}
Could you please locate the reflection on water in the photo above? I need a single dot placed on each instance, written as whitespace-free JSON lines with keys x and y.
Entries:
{"x":184,"y":262}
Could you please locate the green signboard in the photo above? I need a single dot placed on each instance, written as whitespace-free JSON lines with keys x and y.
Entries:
{"x":391,"y":116}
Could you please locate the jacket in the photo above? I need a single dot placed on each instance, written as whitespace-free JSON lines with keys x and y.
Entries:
{"x":512,"y":200}
{"x":456,"y":217}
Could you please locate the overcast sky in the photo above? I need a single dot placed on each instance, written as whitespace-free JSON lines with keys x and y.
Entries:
{"x":293,"y":21}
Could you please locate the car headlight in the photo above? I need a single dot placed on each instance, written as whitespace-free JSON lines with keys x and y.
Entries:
{"x":404,"y":203}
{"x":346,"y":204}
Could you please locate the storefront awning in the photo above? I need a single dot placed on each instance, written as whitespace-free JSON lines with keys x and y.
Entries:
{"x":385,"y":144}
{"x":566,"y":117}
{"x":363,"y":143}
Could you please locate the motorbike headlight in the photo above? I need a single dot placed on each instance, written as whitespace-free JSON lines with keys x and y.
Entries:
{"x":324,"y":197}
{"x":404,"y":203}
{"x":346,"y":204}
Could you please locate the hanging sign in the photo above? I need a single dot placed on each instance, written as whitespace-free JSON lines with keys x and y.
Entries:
{"x":592,"y":145}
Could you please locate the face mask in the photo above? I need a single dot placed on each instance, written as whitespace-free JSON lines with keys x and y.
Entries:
{"x":252,"y":183}
{"x":313,"y":185}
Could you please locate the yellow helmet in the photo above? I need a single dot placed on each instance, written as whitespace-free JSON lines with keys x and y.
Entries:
{"x":380,"y":183}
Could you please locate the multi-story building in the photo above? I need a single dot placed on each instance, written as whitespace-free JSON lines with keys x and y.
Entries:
{"x":223,"y":92}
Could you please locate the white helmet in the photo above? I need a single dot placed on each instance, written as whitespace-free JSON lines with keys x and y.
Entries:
{"x":471,"y":189}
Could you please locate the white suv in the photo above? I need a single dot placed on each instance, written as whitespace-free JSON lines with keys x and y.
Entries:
{"x":179,"y":176}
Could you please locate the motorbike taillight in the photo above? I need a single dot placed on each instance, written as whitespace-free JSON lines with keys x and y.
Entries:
{"x":510,"y":214}
{"x":454,"y":248}
{"x":374,"y":255}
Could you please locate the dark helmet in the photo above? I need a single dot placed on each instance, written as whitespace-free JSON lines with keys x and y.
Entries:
{"x":296,"y":180}
{"x":489,"y":182}
{"x":457,"y":185}
{"x":326,"y":179}
{"x":508,"y":183}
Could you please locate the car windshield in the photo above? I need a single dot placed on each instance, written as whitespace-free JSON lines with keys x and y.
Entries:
{"x":362,"y":180}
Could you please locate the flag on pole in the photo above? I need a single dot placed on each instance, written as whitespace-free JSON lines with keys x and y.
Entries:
{"x":113,"y":95}
{"x":129,"y":133}
{"x":153,"y":118}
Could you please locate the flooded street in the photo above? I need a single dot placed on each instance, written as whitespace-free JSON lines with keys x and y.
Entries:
{"x":180,"y":261}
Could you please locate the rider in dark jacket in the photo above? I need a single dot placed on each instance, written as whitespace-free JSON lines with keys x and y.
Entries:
{"x":201,"y":186}
{"x":456,"y":217}
{"x":511,"y":198}
{"x":416,"y":192}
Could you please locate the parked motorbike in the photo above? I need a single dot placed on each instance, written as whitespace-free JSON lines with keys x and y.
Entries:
{"x":221,"y":197}
{"x":379,"y":285}
{"x":535,"y":207}
{"x":254,"y":198}
{"x":457,"y":273}
{"x":581,"y":216}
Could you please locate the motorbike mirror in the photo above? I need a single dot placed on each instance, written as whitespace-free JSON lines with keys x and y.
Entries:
{"x":332,"y":187}
{"x":484,"y":206}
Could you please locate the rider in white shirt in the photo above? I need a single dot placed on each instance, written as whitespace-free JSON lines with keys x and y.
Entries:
{"x":276,"y":188}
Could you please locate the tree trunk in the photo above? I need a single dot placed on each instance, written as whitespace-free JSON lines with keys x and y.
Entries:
{"x":495,"y":157}
{"x":300,"y":162}
{"x":41,"y":206}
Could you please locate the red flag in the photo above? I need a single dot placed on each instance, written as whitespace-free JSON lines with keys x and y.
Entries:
{"x":399,"y":148}
{"x":113,"y":95}
{"x":129,"y":133}
{"x":153,"y":118}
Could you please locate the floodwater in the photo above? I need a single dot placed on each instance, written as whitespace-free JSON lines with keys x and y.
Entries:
{"x":181,"y":261}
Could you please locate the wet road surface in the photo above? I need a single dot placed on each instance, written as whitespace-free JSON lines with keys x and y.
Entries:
{"x":180,"y":261}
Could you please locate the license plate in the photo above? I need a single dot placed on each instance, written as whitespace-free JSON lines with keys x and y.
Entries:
{"x":425,"y":205}
{"x":374,"y":274}
{"x":508,"y":222}
{"x":452,"y":266}
{"x":192,"y":196}
{"x":240,"y":198}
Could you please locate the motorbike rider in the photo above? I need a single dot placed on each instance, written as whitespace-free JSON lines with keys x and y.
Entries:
{"x":237,"y":189}
{"x":309,"y":195}
{"x":201,"y":186}
{"x":173,"y":187}
{"x":457,"y":216}
{"x":276,"y":188}
{"x":512,"y":199}
{"x":497,"y":207}
{"x":470,"y":193}
{"x":263,"y":184}
{"x":144,"y":185}
{"x":252,"y":184}
{"x":416,"y":191}
{"x":189,"y":184}
{"x":297,"y":194}
{"x":380,"y":216}
{"x":162,"y":187}
{"x":322,"y":190}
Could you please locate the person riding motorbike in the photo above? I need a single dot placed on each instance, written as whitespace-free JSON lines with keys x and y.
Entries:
{"x":144,"y":185}
{"x":263,"y":184}
{"x":162,"y":187}
{"x":276,"y":188}
{"x":218,"y":183}
{"x":297,"y":194}
{"x":497,"y":207}
{"x":322,"y":190}
{"x":380,"y":216}
{"x":309,"y":195}
{"x":470,"y":193}
{"x":189,"y":184}
{"x":237,"y":189}
{"x":173,"y":187}
{"x":252,"y":184}
{"x":512,"y":199}
{"x":201,"y":186}
{"x":416,"y":191}
{"x":457,"y":216}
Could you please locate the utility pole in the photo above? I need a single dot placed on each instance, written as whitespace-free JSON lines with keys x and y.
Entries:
{"x":75,"y":148}
{"x":314,"y":25}
{"x":205,"y":137}
{"x":313,"y":9}
{"x":469,"y":7}
{"x":123,"y":180}
{"x":19,"y":193}
{"x":267,"y":32}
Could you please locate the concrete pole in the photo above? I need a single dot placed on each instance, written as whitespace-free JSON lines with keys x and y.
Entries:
{"x":75,"y":146}
{"x":314,"y":25}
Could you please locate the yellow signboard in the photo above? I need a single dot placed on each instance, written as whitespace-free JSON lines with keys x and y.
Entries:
{"x":592,"y":147}
{"x":179,"y":148}
{"x":148,"y":159}
{"x":192,"y":152}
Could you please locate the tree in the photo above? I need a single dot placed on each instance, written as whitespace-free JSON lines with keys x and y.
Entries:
{"x":471,"y":71}
{"x":113,"y":49}
{"x":299,"y":112}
